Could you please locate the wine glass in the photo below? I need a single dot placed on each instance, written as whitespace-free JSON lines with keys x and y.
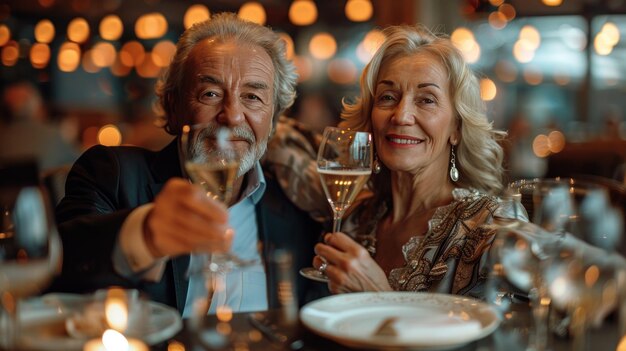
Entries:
{"x":344,"y":163}
{"x":526,"y":249}
{"x":585,"y":286}
{"x":212,"y":162}
{"x":582,"y":278}
{"x":30,"y":254}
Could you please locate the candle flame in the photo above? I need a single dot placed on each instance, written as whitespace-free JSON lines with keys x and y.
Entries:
{"x":116,"y":309}
{"x":114,"y":340}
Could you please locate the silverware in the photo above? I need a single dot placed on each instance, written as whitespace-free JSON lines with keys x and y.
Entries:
{"x":261,"y":322}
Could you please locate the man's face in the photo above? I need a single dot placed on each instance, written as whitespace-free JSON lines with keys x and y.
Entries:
{"x":228,"y":84}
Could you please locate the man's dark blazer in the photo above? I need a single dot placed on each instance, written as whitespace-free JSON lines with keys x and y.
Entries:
{"x":107,"y":183}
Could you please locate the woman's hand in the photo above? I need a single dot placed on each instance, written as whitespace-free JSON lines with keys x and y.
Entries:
{"x":349,"y":266}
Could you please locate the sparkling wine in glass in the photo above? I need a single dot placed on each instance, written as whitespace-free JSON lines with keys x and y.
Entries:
{"x":341,"y":187}
{"x":210,"y":160}
{"x":344,"y":163}
{"x":30,"y":254}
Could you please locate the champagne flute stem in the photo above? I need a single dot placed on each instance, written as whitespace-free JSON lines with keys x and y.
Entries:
{"x":337,"y":223}
{"x":9,"y":322}
{"x":579,"y":328}
{"x":540,"y":308}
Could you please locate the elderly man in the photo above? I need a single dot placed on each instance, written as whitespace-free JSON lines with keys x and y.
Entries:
{"x":130,"y":217}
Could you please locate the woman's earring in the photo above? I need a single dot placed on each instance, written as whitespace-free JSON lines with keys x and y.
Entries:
{"x":454,"y":172}
{"x":376,"y":165}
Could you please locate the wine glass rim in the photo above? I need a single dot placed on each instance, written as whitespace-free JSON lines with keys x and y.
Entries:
{"x":347,"y":130}
{"x":528,"y":184}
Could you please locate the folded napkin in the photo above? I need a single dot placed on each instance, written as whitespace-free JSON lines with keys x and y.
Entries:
{"x":435,"y":329}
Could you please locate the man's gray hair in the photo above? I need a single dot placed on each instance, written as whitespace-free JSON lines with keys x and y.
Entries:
{"x":223,"y":27}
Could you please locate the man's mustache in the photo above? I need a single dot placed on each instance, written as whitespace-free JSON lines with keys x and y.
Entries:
{"x":238,"y":132}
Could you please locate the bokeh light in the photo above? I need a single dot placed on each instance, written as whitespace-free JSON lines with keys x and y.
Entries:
{"x":46,"y":3}
{"x":557,"y":141}
{"x":532,"y":76}
{"x":10,"y":53}
{"x":323,"y":46}
{"x":303,"y":12}
{"x":109,"y":135}
{"x":508,"y":11}
{"x":5,"y":34}
{"x":148,"y":68}
{"x":224,"y":313}
{"x":497,"y":20}
{"x":506,"y":71}
{"x":342,"y":71}
{"x":103,"y":54}
{"x":163,"y":52}
{"x":464,"y":40}
{"x":610,"y":33}
{"x":304,"y":68}
{"x":541,"y":146}
{"x":552,"y":2}
{"x":78,"y":30}
{"x":529,"y":38}
{"x":521,"y":54}
{"x":88,"y":64}
{"x":359,"y":10}
{"x":132,"y":53}
{"x":69,"y":57}
{"x":151,"y":26}
{"x":39,"y":55}
{"x":119,"y":69}
{"x":194,"y":14}
{"x":373,"y":40}
{"x":488,"y":89}
{"x":367,"y":48}
{"x":44,"y":31}
{"x":253,"y":12}
{"x":562,"y":78}
{"x":111,"y":27}
{"x":601,"y":47}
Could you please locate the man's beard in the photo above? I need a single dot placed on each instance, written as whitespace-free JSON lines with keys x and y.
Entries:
{"x":208,"y":151}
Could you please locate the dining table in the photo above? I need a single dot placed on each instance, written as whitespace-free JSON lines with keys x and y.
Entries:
{"x":245,"y":334}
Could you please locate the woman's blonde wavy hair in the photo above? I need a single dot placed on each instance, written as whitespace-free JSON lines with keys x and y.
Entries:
{"x":479,"y":154}
{"x":223,"y":26}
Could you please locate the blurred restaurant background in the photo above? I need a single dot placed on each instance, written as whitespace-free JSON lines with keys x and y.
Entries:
{"x":553,"y":72}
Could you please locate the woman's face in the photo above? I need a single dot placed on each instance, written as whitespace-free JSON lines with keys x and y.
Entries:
{"x":412,"y":116}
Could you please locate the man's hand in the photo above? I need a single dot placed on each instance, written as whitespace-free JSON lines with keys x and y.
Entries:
{"x":349,"y":266}
{"x":184,"y":219}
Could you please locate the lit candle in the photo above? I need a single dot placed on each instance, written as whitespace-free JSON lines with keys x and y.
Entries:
{"x":114,"y":340}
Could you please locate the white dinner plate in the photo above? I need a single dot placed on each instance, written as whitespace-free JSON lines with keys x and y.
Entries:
{"x":42,"y":322}
{"x":422,"y":321}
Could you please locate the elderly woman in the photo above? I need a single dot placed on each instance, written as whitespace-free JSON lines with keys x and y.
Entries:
{"x":439,"y":166}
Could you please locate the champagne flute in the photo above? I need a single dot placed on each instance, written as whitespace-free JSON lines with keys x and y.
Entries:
{"x":344,"y":163}
{"x":212,"y":162}
{"x":30,"y":254}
